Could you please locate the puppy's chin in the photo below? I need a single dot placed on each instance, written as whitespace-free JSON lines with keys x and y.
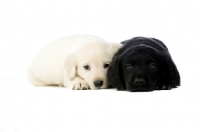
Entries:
{"x":147,"y":88}
{"x":92,"y":87}
{"x":95,"y":88}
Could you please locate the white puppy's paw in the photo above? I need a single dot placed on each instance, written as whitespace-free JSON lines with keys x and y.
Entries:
{"x":79,"y":84}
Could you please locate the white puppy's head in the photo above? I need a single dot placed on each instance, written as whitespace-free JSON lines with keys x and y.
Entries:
{"x":91,"y":62}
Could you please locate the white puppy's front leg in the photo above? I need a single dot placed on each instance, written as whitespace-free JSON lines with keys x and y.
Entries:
{"x":79,"y":84}
{"x":76,"y":84}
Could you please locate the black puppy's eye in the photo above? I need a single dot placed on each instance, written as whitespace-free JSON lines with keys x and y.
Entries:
{"x":129,"y":67}
{"x":87,"y":67}
{"x":152,"y":65}
{"x":106,"y":65}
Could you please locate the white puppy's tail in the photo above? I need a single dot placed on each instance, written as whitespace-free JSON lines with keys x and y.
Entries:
{"x":33,"y":80}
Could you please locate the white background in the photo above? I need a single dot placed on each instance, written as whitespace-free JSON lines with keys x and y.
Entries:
{"x":26,"y":26}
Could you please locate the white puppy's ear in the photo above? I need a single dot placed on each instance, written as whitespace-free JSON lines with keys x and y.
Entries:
{"x":70,"y":65}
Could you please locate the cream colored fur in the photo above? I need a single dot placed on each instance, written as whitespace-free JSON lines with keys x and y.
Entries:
{"x":62,"y":62}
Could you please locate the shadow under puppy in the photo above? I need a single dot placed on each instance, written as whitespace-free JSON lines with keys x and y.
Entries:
{"x":143,"y":64}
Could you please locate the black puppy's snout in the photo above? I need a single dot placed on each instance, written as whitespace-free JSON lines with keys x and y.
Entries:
{"x":98,"y":83}
{"x":139,"y":81}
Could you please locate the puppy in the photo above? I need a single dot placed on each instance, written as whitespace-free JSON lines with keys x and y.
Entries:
{"x":78,"y":62}
{"x":143,"y":64}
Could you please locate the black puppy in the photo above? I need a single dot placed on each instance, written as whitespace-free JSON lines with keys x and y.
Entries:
{"x":143,"y":64}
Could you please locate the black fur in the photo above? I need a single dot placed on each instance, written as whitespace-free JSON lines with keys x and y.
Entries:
{"x":143,"y":64}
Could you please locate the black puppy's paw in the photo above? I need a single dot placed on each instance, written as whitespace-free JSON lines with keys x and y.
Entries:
{"x":162,"y":87}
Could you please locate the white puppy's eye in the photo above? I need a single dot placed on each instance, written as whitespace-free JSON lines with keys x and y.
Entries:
{"x":106,"y":65}
{"x":86,"y":67}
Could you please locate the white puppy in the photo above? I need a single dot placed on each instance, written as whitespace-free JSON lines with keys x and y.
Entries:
{"x":77,"y":62}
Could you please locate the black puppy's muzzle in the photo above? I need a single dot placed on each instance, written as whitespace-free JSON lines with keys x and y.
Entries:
{"x":142,"y":84}
{"x":139,"y":82}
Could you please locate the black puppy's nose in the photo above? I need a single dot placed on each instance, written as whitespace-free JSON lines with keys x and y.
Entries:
{"x":98,"y":83}
{"x":139,"y":81}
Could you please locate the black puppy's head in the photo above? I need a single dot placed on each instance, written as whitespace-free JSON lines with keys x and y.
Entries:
{"x":143,"y":64}
{"x":141,"y":68}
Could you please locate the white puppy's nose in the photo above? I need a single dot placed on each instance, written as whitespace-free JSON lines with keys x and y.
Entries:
{"x":98,"y":83}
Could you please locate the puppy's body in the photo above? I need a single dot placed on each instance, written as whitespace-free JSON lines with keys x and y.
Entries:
{"x":63,"y":63}
{"x":143,"y":64}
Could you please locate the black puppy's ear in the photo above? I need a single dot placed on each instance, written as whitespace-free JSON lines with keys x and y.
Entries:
{"x":171,"y":74}
{"x":115,"y":74}
{"x":174,"y":74}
